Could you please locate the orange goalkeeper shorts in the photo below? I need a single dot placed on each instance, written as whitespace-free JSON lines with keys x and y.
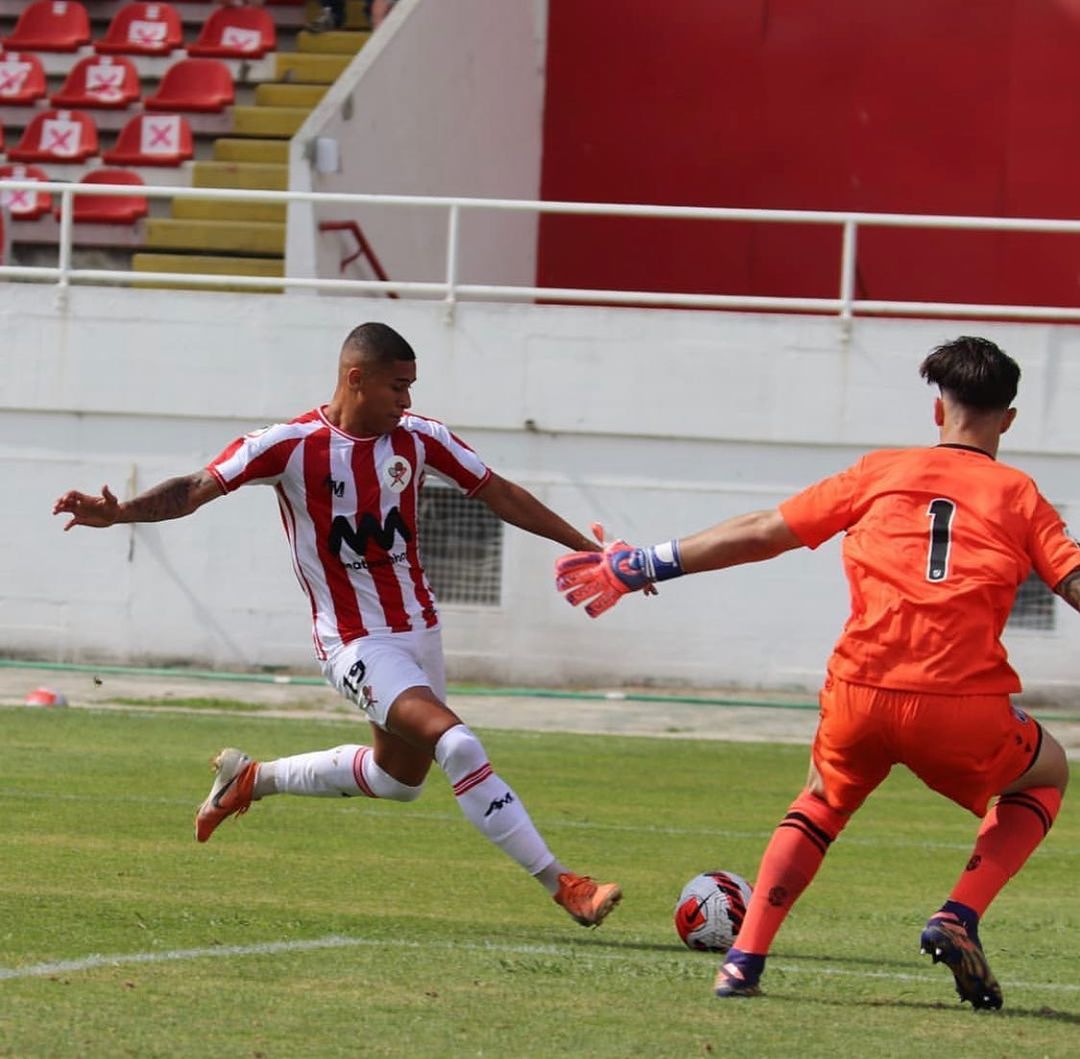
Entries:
{"x":966,"y":747}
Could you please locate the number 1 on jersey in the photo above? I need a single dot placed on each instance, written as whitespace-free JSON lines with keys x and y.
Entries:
{"x":937,"y":561}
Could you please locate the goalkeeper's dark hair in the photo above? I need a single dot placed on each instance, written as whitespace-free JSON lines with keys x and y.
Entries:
{"x":974,"y":372}
{"x":379,"y":344}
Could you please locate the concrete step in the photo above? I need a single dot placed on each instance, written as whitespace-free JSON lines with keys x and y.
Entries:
{"x":218,"y":210}
{"x":300,"y":69}
{"x":281,"y":122}
{"x":209,"y":265}
{"x":229,"y":150}
{"x":240,"y":175}
{"x":333,"y":42}
{"x":257,"y":238}
{"x":272,"y":94}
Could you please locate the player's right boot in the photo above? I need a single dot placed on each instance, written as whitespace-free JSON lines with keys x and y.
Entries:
{"x":738,"y":975}
{"x":588,"y":901}
{"x":946,"y":941}
{"x":234,"y":782}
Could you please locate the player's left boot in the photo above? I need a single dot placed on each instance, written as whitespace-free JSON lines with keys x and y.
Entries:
{"x":234,"y":782}
{"x":946,"y":941}
{"x":588,"y":901}
{"x":738,"y":975}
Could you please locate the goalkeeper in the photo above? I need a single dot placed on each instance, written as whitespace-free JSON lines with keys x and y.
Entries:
{"x":937,"y":542}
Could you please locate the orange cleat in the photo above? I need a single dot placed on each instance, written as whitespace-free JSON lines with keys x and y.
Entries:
{"x":587,"y":901}
{"x":231,"y":793}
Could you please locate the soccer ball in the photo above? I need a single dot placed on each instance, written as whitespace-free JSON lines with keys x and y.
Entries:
{"x":710,"y":910}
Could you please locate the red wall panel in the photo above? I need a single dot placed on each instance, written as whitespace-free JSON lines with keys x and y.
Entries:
{"x":932,"y":106}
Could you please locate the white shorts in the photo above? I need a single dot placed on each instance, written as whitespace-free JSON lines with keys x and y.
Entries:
{"x":374,"y":670}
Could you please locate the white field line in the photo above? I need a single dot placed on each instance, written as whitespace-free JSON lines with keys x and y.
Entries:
{"x":576,"y":954}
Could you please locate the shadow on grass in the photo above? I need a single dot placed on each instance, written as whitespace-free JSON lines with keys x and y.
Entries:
{"x":1044,"y":1013}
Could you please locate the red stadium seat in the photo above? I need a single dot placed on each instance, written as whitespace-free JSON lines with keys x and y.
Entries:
{"x":193,"y":84}
{"x":24,"y":205}
{"x":153,"y":139}
{"x":100,"y":82}
{"x":109,"y":209}
{"x":236,"y":33}
{"x":22,"y":78}
{"x":143,"y":29}
{"x":50,"y":25}
{"x":60,"y":136}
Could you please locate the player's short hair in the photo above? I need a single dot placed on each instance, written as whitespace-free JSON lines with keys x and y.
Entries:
{"x":379,"y":344}
{"x":974,"y":372}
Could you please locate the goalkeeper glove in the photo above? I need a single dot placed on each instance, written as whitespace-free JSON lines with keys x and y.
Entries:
{"x":603,"y":578}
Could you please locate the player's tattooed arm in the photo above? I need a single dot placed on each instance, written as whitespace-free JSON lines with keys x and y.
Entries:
{"x":1069,"y":589}
{"x":173,"y":498}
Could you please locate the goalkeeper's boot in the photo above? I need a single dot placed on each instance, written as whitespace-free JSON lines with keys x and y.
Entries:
{"x":231,"y":793}
{"x":947,"y":941}
{"x":739,"y":974}
{"x":587,"y":901}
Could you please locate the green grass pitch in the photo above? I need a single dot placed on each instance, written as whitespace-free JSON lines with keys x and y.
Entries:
{"x":325,"y":928}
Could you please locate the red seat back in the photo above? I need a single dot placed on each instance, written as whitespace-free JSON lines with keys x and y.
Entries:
{"x":109,"y":209}
{"x":24,"y":205}
{"x":62,"y":136}
{"x":153,"y":139}
{"x":143,"y":29}
{"x":100,"y":82}
{"x":22,"y":77}
{"x":50,"y":25}
{"x":193,"y":84}
{"x":236,"y":33}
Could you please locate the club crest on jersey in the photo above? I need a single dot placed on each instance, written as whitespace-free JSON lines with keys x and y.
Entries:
{"x":395,"y":473}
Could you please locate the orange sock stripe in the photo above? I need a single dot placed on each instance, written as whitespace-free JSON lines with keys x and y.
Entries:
{"x":818,"y":835}
{"x":1024,"y":800}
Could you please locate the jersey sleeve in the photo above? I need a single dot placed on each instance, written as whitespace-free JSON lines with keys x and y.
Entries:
{"x":1054,"y":553}
{"x":825,"y":508}
{"x":256,"y":458}
{"x":449,"y":456}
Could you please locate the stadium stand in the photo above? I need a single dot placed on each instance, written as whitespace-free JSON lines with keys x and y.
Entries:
{"x":100,"y":82}
{"x":50,"y":25}
{"x":22,"y":78}
{"x":143,"y":29}
{"x":154,"y":115}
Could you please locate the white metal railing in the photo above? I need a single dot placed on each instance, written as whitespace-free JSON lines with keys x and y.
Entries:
{"x":845,"y":304}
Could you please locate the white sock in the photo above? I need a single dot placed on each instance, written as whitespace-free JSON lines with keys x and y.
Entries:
{"x":343,"y":772}
{"x":492,"y":807}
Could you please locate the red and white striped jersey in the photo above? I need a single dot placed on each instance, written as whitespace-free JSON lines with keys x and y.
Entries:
{"x":349,"y":508}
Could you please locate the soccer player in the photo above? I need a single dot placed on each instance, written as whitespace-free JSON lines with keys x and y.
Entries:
{"x":347,"y":477}
{"x":937,"y":541}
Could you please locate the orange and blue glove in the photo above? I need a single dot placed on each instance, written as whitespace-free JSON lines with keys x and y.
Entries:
{"x":603,"y":578}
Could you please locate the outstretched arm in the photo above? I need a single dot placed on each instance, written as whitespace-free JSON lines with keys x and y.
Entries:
{"x":600,"y":581}
{"x":743,"y":539}
{"x":173,"y":498}
{"x":520,"y":508}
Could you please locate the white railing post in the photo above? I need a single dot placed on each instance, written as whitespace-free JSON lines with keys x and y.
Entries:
{"x":452,"y":236}
{"x":847,"y":271}
{"x":63,"y":262}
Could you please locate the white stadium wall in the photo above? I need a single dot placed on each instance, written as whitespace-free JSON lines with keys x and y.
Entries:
{"x":655,"y":422}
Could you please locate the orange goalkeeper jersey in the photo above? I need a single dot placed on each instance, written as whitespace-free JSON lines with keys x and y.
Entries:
{"x":938,"y":540}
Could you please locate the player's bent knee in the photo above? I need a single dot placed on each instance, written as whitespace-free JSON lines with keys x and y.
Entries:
{"x":383,"y":785}
{"x":458,"y":751}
